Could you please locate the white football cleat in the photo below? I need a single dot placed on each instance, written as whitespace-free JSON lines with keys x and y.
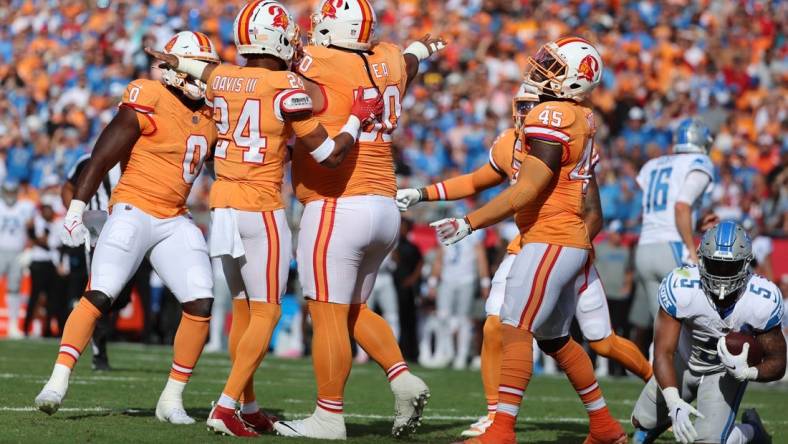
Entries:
{"x":51,"y":396}
{"x":48,"y":401}
{"x":321,"y":425}
{"x":172,"y":412}
{"x":479,"y":427}
{"x":410,"y":398}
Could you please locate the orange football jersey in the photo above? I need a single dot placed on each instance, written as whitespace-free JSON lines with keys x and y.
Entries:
{"x":252,"y":147}
{"x":169,"y":154}
{"x":369,"y":167}
{"x":556,"y":217}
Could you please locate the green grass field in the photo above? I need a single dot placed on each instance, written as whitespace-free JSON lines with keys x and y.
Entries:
{"x":118,"y":406}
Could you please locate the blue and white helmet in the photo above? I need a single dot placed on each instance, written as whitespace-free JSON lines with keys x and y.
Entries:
{"x":692,"y":136}
{"x":725,"y":255}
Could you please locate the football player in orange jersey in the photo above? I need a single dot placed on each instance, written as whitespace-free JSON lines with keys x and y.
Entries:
{"x":350,"y":221}
{"x":162,"y":133}
{"x":257,"y":108}
{"x":506,"y":156}
{"x":548,"y":204}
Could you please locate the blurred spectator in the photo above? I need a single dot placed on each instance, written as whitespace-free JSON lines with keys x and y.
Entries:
{"x":16,"y":216}
{"x":613,"y":261}
{"x":407,"y":278}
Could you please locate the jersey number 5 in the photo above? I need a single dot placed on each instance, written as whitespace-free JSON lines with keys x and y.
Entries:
{"x":247,"y":134}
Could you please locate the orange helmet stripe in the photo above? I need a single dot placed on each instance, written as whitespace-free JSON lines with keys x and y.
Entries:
{"x":203,"y":41}
{"x":563,"y":41}
{"x":367,"y":20}
{"x":243,"y":22}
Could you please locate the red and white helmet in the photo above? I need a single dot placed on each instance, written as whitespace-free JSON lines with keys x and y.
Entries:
{"x":192,"y":45}
{"x":568,"y":68}
{"x":348,"y":24}
{"x":266,"y":27}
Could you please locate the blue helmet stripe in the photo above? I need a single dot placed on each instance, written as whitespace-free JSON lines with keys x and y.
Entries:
{"x":726,"y":237}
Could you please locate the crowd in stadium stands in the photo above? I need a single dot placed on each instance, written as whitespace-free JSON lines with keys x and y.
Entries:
{"x":63,"y":67}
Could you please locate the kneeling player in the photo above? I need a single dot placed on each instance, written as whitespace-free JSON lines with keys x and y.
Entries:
{"x":164,"y":131}
{"x":699,"y":305}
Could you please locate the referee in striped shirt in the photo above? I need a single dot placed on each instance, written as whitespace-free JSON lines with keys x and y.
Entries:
{"x":95,"y":215}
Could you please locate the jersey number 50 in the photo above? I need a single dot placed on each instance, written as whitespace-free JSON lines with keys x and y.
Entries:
{"x":381,"y":131}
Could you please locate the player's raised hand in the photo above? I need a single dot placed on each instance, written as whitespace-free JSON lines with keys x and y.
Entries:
{"x":452,"y":230}
{"x":680,"y":413}
{"x":736,"y":365}
{"x":74,"y":232}
{"x":367,"y":110}
{"x":169,"y":59}
{"x":425,"y":47}
{"x":407,"y":197}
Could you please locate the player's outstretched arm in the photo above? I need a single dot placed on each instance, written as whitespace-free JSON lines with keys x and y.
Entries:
{"x":330,"y":152}
{"x":455,"y":188}
{"x":537,"y":171}
{"x":195,"y":68}
{"x":420,"y":50}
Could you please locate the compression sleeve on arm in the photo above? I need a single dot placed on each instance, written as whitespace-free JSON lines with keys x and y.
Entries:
{"x":694,"y":186}
{"x":463,"y":186}
{"x":535,"y":175}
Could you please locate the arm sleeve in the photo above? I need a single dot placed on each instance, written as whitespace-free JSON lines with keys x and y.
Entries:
{"x":694,"y":185}
{"x":464,"y":186}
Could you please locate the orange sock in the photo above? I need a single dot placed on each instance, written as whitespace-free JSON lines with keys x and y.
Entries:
{"x":252,"y":347}
{"x":626,"y":353}
{"x":516,"y":367}
{"x":331,"y":356}
{"x":574,"y":361}
{"x":241,"y":315}
{"x":374,"y":335}
{"x":187,"y":347}
{"x":492,"y":351}
{"x":77,"y":332}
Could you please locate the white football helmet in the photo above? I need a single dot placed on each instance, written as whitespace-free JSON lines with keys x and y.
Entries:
{"x":266,"y":27}
{"x":348,"y":24}
{"x":192,"y":45}
{"x":569,"y":68}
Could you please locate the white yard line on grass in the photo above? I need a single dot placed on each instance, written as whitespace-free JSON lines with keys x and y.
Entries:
{"x":563,"y":419}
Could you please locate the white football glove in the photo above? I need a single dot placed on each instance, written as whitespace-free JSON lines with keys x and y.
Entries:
{"x":736,"y":365}
{"x":74,"y":232}
{"x":451,"y":230}
{"x":679,"y":411}
{"x":407,"y":197}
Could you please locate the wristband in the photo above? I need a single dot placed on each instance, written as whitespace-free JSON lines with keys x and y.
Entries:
{"x":191,"y":66}
{"x":419,"y":50}
{"x":671,"y":395}
{"x":432,"y":282}
{"x":485,"y":282}
{"x":352,"y":127}
{"x":325,"y":149}
{"x":76,"y":207}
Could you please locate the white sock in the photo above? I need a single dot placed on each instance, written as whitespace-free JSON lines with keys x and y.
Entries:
{"x":173,"y":391}
{"x":741,"y":434}
{"x":13,"y":301}
{"x":249,"y":407}
{"x":227,"y":402}
{"x":58,"y":381}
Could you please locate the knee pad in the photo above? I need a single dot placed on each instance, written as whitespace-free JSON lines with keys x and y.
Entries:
{"x":198,"y":307}
{"x":551,"y":346}
{"x":99,"y":300}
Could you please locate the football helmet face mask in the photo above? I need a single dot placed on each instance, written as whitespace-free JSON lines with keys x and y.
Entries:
{"x":192,"y":45}
{"x":569,"y":68}
{"x":266,"y":27}
{"x":725,"y":255}
{"x":348,"y":24}
{"x":692,"y":136}
{"x":524,"y":101}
